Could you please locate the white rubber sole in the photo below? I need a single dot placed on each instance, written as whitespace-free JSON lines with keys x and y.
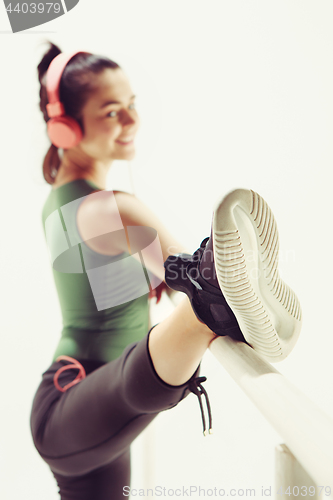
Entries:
{"x":246,"y":248}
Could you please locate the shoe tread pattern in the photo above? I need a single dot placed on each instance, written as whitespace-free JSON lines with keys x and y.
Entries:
{"x":236,"y":284}
{"x":269,"y":241}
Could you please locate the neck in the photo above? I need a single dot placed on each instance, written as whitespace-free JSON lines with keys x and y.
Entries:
{"x":72,"y":168}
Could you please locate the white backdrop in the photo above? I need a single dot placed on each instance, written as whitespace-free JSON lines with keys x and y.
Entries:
{"x":231,"y":94}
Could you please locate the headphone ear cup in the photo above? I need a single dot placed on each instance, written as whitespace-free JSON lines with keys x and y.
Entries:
{"x":64,"y":132}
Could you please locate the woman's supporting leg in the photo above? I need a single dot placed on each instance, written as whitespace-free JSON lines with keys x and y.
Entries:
{"x":177,"y":344}
{"x":96,"y":420}
{"x":110,"y":482}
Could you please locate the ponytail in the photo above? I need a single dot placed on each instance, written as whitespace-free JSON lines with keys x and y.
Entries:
{"x":51,"y":164}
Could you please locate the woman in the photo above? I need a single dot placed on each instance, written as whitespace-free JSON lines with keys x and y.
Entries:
{"x":110,"y":376}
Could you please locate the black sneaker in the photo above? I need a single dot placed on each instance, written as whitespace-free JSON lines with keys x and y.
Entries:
{"x":232,"y":280}
{"x":183,"y":273}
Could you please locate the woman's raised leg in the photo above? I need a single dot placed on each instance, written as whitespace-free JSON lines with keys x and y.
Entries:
{"x":177,"y":344}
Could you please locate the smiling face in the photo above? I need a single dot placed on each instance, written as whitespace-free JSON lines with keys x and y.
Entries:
{"x":110,"y":119}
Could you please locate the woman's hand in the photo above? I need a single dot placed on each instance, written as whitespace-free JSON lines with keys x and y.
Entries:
{"x":157,"y":292}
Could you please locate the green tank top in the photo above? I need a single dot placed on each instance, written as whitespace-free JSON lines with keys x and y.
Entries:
{"x":103,"y":299}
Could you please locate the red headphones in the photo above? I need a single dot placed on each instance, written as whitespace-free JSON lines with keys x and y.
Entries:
{"x":64,"y":132}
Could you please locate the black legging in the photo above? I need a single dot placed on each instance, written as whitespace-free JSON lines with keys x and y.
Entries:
{"x":84,"y":434}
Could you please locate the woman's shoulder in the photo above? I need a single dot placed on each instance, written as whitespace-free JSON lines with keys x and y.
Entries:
{"x":101,"y":220}
{"x":114,"y":206}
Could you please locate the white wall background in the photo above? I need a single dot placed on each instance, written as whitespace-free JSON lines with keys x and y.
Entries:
{"x":231,"y":94}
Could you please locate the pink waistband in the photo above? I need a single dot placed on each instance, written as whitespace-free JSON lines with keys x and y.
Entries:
{"x":75,"y":365}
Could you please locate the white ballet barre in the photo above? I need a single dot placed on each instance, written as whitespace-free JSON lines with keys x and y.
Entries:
{"x":307,"y":430}
{"x":306,"y":460}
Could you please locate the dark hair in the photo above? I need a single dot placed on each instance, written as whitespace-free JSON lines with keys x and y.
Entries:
{"x":76,"y":84}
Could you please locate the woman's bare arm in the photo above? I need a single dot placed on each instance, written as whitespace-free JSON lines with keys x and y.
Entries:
{"x":105,"y":212}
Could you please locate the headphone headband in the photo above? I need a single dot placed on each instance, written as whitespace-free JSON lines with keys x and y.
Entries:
{"x":53,"y":77}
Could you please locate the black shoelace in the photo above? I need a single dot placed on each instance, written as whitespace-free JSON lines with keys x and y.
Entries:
{"x":197,"y":389}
